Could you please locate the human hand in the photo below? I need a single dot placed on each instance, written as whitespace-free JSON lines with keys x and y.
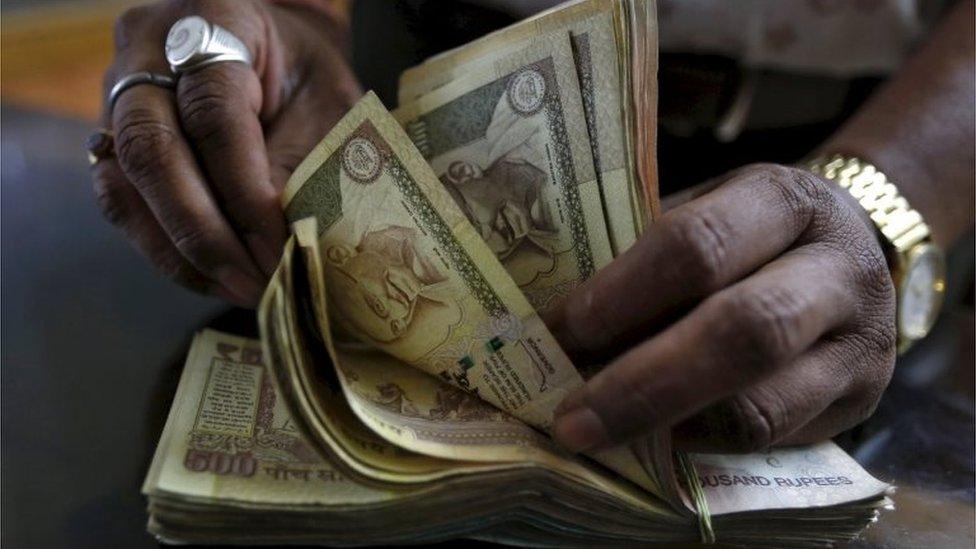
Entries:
{"x":761,"y":313}
{"x":197,"y":174}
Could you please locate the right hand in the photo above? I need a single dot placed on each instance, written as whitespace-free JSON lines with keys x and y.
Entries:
{"x":196,"y":180}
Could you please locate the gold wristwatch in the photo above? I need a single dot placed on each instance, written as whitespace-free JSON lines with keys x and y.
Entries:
{"x":917,"y":264}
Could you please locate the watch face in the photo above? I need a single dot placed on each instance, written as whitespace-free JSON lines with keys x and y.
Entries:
{"x":921,"y":292}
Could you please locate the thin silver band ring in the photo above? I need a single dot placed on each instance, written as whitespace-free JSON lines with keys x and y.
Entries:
{"x":136,"y":78}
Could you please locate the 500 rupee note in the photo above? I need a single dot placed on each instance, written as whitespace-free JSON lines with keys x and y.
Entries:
{"x":407,"y":274}
{"x":509,"y":142}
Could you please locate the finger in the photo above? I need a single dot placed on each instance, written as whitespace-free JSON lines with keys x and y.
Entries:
{"x":821,"y":394}
{"x":684,"y":196}
{"x":150,"y":138}
{"x":877,"y":361}
{"x":844,"y":414}
{"x":771,"y":411}
{"x":156,"y":159}
{"x":312,"y":112}
{"x":219,"y":107}
{"x":122,"y":206}
{"x":696,"y":250}
{"x":732,"y":340}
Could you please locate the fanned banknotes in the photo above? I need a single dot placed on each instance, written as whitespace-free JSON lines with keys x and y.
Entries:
{"x":237,"y":465}
{"x":615,"y":52}
{"x":404,"y":384}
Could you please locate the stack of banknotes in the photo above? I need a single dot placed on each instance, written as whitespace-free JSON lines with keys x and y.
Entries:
{"x":404,"y":383}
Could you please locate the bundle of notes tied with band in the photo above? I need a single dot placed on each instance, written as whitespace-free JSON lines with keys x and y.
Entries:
{"x":404,"y":384}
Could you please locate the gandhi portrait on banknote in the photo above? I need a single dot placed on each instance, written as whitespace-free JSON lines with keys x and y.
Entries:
{"x":389,"y":290}
{"x":505,"y":197}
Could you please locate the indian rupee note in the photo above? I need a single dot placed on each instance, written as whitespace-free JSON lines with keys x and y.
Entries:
{"x":800,"y":477}
{"x":406,"y":273}
{"x":426,"y":415}
{"x":595,"y":55}
{"x":229,"y":437}
{"x":509,"y":141}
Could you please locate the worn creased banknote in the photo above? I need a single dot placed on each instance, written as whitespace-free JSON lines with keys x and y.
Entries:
{"x":408,"y":275}
{"x":508,"y":141}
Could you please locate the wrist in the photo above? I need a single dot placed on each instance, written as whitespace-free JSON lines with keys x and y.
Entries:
{"x":916,"y":263}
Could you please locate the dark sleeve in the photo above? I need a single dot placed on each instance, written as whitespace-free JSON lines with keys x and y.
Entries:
{"x":391,"y":36}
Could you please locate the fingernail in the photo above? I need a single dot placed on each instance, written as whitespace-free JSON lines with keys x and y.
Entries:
{"x":580,"y":430}
{"x":265,"y":253}
{"x":244,"y":287}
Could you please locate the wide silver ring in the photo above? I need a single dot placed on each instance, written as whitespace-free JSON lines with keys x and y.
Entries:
{"x":194,"y":43}
{"x":136,"y":78}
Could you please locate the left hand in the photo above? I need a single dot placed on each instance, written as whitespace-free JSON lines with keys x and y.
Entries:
{"x":761,"y":313}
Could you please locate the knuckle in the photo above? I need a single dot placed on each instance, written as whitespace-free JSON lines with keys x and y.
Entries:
{"x":872,"y":275}
{"x":167,"y":260}
{"x":703,"y":240}
{"x":143,"y":142}
{"x":762,"y":325}
{"x":879,"y":343}
{"x":286,"y":159}
{"x":867,"y":406}
{"x":875,"y":330}
{"x":755,"y":424}
{"x":204,"y":104}
{"x":843,"y":360}
{"x":802,"y":194}
{"x":644,"y":401}
{"x":194,"y":242}
{"x":207,"y":101}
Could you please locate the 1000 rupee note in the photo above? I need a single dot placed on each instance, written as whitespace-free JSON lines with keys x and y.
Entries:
{"x":406,"y":273}
{"x":815,"y":475}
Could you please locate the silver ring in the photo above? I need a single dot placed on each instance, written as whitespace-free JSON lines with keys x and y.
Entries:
{"x":193,"y":43}
{"x":136,"y":78}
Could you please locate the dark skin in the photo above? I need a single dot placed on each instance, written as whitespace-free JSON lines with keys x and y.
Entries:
{"x":758,"y":313}
{"x":196,"y":183}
